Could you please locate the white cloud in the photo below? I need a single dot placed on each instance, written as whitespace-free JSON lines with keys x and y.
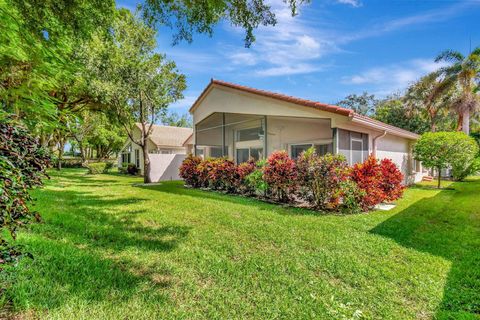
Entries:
{"x":287,"y":70}
{"x":243,"y":58}
{"x":353,"y":3}
{"x":293,"y":46}
{"x":394,"y":77}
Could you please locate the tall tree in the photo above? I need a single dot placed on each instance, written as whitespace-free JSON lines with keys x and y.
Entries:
{"x":189,"y":17}
{"x":431,"y":96}
{"x":136,"y":82}
{"x":394,"y":111}
{"x":175,"y":120}
{"x":362,"y":104}
{"x":465,"y":71}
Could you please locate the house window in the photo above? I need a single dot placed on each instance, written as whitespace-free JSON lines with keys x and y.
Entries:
{"x":126,"y":158}
{"x":245,"y":154}
{"x":137,"y":158}
{"x":249,"y":134}
{"x":199,"y":152}
{"x":216,"y":152}
{"x":356,"y":150}
{"x":320,"y":149}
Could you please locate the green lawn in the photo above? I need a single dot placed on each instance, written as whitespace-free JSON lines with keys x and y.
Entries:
{"x":111,"y":250}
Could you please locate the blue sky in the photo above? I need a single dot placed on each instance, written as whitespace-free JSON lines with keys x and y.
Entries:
{"x":331,"y":49}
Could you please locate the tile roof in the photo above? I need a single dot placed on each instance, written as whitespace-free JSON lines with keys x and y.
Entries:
{"x":279,"y":96}
{"x":168,"y":136}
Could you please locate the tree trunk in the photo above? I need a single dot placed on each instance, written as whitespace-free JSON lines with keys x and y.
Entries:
{"x":61,"y":147}
{"x":146,"y":164}
{"x":460,"y":122}
{"x":466,"y":122}
{"x":439,"y":176}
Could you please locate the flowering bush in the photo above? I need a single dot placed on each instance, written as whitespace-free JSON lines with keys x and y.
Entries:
{"x":189,"y":170}
{"x":392,"y":180}
{"x":321,"y":179}
{"x":280,"y":173}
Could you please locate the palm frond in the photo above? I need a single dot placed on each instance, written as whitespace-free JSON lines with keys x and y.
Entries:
{"x":450,"y":56}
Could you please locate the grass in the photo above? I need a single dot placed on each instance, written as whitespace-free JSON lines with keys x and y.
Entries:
{"x":110,"y":250}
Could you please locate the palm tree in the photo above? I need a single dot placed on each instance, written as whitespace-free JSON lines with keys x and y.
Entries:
{"x":465,"y":72}
{"x":430,"y":95}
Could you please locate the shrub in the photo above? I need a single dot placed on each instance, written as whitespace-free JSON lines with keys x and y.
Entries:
{"x":254,"y":181}
{"x":132,"y":169}
{"x":221,"y":174}
{"x":96,"y":167}
{"x":280,"y":173}
{"x":368,"y":176}
{"x":392,"y":180}
{"x":321,"y":179}
{"x":189,"y":170}
{"x":440,"y":150}
{"x":351,"y":197}
{"x":108,"y":166}
{"x":23,"y":165}
{"x":380,"y":181}
{"x":242,"y":171}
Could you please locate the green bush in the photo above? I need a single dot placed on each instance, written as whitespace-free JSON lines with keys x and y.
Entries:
{"x":96,"y":167}
{"x":255,"y":179}
{"x":442,"y":150}
{"x":108,"y":167}
{"x":23,"y":165}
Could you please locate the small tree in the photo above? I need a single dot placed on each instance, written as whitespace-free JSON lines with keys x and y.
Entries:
{"x":136,"y":83}
{"x":441,"y":150}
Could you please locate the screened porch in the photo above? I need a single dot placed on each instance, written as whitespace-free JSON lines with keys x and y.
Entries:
{"x":244,"y":136}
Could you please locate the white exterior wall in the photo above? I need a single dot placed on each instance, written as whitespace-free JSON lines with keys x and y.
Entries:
{"x":399,"y":151}
{"x":165,"y":167}
{"x":151,"y":146}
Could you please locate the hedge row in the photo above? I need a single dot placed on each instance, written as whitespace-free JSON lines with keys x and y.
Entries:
{"x":325,"y":183}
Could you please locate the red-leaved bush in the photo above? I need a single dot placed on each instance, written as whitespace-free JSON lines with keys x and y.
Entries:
{"x":321,"y":179}
{"x":189,"y":171}
{"x":392,"y":180}
{"x":368,"y":177}
{"x":280,"y":173}
{"x":325,"y":182}
{"x":380,"y":181}
{"x":242,"y":171}
{"x":217,"y":173}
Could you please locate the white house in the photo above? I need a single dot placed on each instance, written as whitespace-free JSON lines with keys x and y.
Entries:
{"x":241,"y":122}
{"x":167,"y":147}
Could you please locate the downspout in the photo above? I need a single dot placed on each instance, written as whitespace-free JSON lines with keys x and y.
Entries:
{"x":374,"y":143}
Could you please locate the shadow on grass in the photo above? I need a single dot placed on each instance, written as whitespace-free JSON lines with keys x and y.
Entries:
{"x":446,"y":225}
{"x":178,"y":188}
{"x":86,"y":250}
